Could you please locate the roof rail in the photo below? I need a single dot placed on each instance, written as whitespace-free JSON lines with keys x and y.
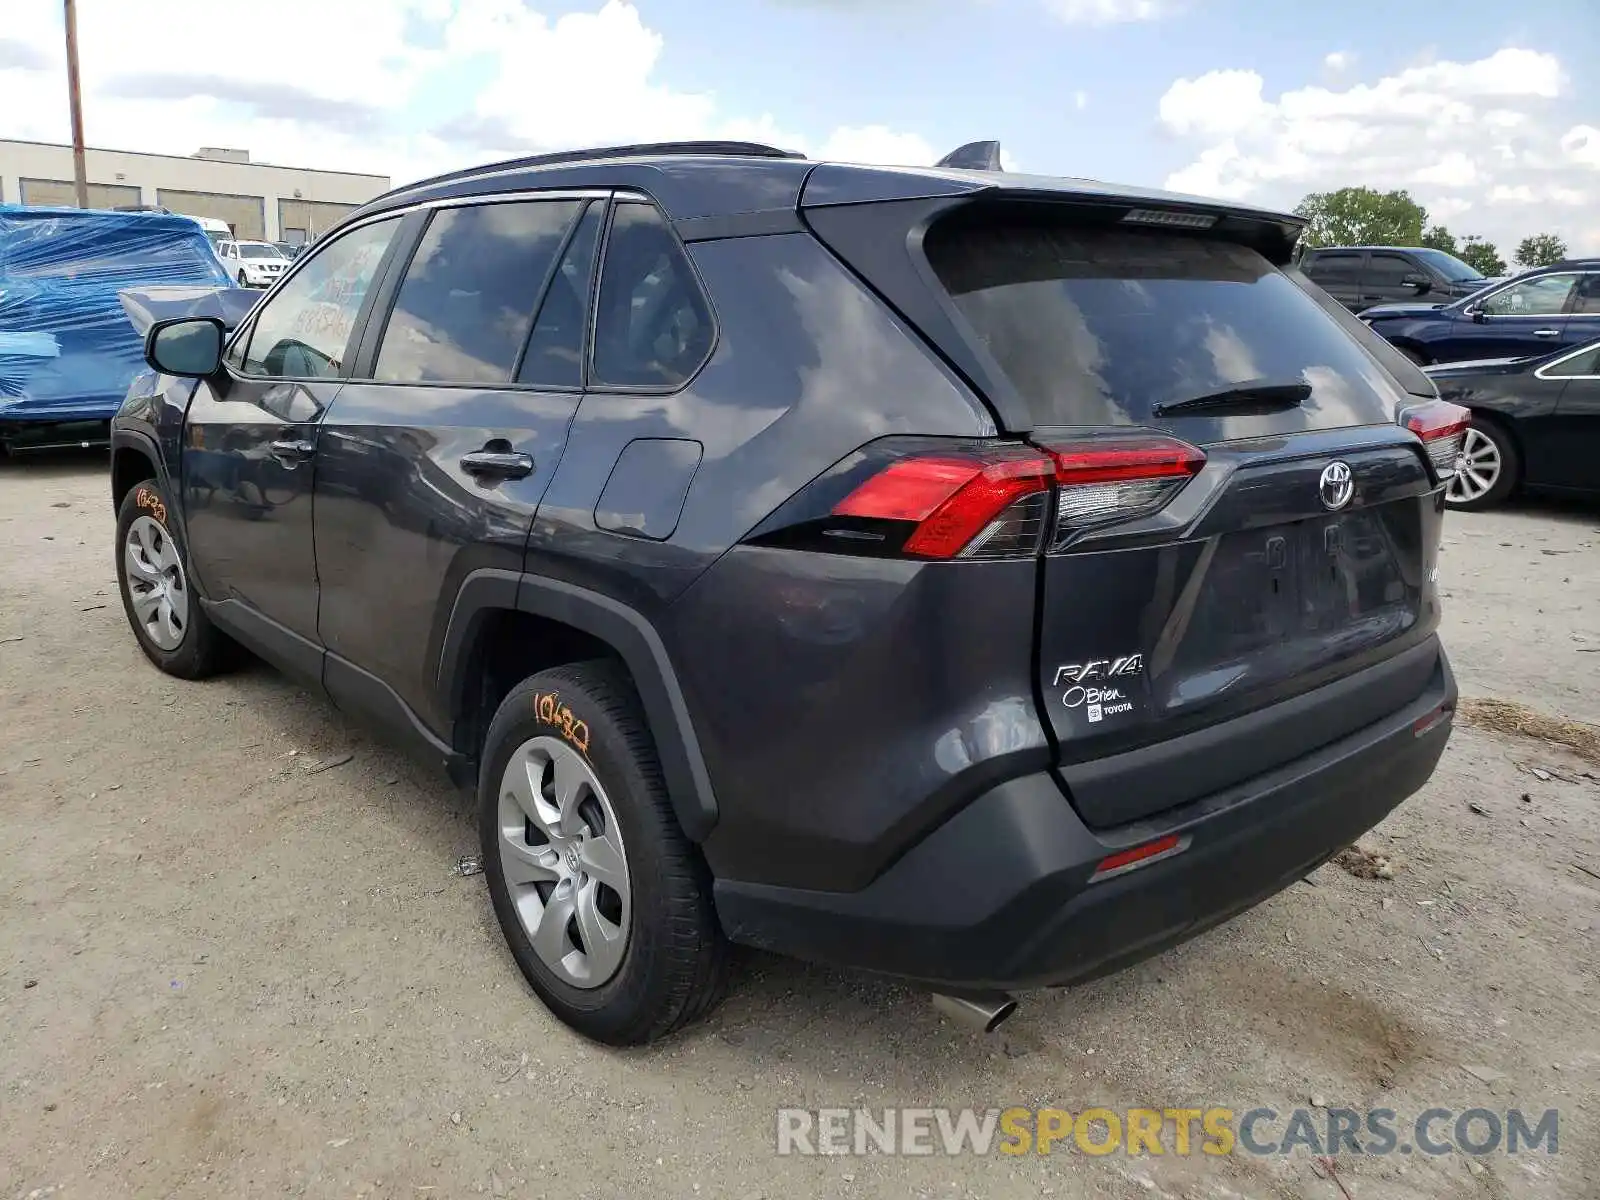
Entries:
{"x":974,"y":156}
{"x":642,"y":150}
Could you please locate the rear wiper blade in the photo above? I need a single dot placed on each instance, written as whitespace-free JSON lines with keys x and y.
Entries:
{"x":1246,"y":397}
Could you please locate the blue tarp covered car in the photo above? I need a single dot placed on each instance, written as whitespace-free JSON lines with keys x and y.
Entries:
{"x":68,"y":349}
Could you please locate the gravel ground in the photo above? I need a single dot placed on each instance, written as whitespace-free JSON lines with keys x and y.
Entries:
{"x":225,"y":974}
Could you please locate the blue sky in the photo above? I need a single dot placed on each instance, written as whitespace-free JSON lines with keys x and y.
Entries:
{"x":1488,"y":112}
{"x":952,"y":70}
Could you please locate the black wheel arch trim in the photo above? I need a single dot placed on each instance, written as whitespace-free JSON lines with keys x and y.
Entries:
{"x":145,"y":444}
{"x":628,"y":633}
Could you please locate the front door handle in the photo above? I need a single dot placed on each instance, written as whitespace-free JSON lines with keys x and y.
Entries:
{"x":1547,"y":333}
{"x":291,"y":452}
{"x":486,"y":465}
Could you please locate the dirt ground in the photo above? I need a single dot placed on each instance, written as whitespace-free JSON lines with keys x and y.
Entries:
{"x":223,"y":974}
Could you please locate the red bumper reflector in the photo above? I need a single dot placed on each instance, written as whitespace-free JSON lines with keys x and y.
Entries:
{"x":1432,"y":721}
{"x":1139,"y":856}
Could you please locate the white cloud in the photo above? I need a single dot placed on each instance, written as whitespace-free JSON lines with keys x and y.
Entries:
{"x":1475,"y":141}
{"x":1339,"y":61}
{"x":373,"y":88}
{"x":1108,"y":12}
{"x":1581,"y":145}
{"x":878,"y":144}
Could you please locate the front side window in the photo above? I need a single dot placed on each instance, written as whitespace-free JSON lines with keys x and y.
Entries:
{"x":467,"y":303}
{"x":1542,"y":297}
{"x":1448,"y":265}
{"x":653,"y":327}
{"x":1389,"y":271}
{"x":302,"y":332}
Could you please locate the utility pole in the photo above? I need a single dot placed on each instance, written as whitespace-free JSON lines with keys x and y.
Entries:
{"x":80,"y":173}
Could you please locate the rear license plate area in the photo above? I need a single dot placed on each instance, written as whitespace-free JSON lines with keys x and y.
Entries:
{"x":1267,"y":586}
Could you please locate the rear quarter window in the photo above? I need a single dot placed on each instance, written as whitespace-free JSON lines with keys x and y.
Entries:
{"x":1097,"y":326}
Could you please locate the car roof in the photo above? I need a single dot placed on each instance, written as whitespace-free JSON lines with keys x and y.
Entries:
{"x":1401,"y":249}
{"x":697,"y":180}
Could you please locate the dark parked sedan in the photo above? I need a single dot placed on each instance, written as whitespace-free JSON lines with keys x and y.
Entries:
{"x":1535,"y":424}
{"x":1539,"y":312}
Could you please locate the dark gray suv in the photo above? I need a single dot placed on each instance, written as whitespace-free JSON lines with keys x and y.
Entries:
{"x":984,"y":580}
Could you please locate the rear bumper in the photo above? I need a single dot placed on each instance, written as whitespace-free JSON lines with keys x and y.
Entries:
{"x":999,"y":897}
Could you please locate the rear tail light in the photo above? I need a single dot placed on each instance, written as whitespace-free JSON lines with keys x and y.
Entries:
{"x":989,"y":505}
{"x":1108,"y":479}
{"x":981,"y":500}
{"x":1442,"y":426}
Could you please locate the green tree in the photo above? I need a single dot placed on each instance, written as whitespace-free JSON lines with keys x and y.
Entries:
{"x":1540,"y":250}
{"x":1481,"y":255}
{"x":1356,"y":216}
{"x":1440,"y":238}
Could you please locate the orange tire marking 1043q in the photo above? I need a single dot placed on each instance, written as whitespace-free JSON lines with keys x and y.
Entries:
{"x":550,"y":709}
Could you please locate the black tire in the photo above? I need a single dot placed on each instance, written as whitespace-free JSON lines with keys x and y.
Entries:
{"x":203,"y":648}
{"x":242,"y":283}
{"x":675,"y":965}
{"x":1510,"y":468}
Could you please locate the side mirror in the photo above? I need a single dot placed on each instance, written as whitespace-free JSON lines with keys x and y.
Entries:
{"x":1421,"y":283}
{"x":189,"y":347}
{"x":1476,"y":314}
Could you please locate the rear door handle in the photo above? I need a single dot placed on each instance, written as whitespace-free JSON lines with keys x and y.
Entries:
{"x":291,"y":452}
{"x":497,"y":464}
{"x":1546,"y":333}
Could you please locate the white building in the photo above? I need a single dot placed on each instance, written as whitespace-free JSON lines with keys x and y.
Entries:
{"x":288,"y":204}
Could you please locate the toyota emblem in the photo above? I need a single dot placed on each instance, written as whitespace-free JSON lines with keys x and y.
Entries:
{"x":1336,"y":486}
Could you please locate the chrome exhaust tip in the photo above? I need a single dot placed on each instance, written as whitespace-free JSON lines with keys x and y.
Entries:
{"x":983,"y":1011}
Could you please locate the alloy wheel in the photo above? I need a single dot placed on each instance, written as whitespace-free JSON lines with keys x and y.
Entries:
{"x":563,"y":860}
{"x":1477,"y":470}
{"x":156,"y":584}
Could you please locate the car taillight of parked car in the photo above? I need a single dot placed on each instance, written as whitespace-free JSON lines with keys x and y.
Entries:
{"x":1442,"y":426}
{"x":994,"y":503}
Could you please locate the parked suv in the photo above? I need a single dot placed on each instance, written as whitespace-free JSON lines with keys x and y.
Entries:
{"x":252,"y":264}
{"x":979,"y":579}
{"x":1361,"y":276}
{"x":1537,"y":313}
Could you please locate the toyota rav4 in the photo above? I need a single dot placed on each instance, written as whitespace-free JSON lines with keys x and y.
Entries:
{"x":980,"y":579}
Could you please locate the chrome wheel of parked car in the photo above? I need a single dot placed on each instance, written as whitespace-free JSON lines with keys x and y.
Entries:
{"x":156,"y":583}
{"x":562,"y":855}
{"x":1477,"y":470}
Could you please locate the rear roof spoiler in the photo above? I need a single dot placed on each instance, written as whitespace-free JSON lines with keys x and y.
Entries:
{"x":974,"y":156}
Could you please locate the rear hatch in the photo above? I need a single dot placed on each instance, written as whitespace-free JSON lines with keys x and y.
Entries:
{"x":1241,"y":563}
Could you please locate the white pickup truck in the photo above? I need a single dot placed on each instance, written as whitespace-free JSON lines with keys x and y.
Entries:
{"x":252,"y":264}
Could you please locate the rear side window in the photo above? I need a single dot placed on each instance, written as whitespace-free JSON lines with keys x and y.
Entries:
{"x":653,"y":327}
{"x":466,"y":305}
{"x":1586,"y":300}
{"x":1099,"y":327}
{"x":1336,"y":269}
{"x":555,"y":351}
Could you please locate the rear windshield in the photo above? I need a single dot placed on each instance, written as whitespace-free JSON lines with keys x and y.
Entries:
{"x":1099,"y":327}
